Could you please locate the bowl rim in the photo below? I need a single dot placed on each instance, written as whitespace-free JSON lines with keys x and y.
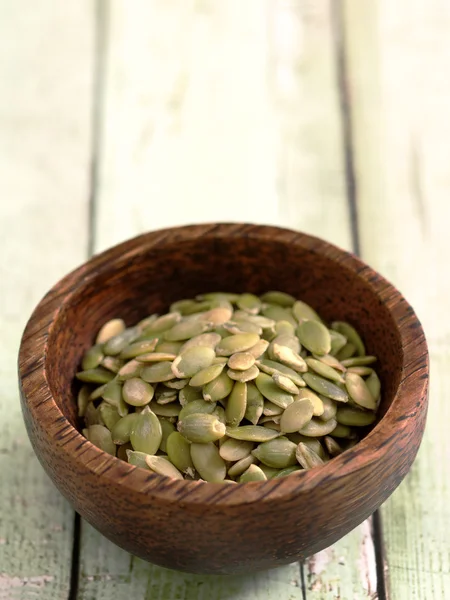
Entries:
{"x":36,"y":392}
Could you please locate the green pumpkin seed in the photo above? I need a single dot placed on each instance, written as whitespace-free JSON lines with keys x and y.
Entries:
{"x":241,"y":361}
{"x":359,"y":361}
{"x":351,"y":334}
{"x":165,"y":395}
{"x":317,"y":402}
{"x":166,"y":410}
{"x":218,"y":389}
{"x":255,"y":403}
{"x":243,"y":376}
{"x":138,"y":348}
{"x":249,"y":303}
{"x":236,"y":343}
{"x":315,"y":337}
{"x":109,"y":330}
{"x":270,"y":472}
{"x":307,"y":457}
{"x":280,"y":298}
{"x":259,"y":320}
{"x":92,"y":357}
{"x":122,"y":451}
{"x":329,"y":408}
{"x":331,"y":361}
{"x":233,"y":450}
{"x":270,"y":367}
{"x":354,"y":417}
{"x":278,"y":313}
{"x":197,"y":406}
{"x":116,"y":344}
{"x":130,"y":369}
{"x":112,"y":363}
{"x":324,"y":370}
{"x":251,"y":433}
{"x":92,"y":416}
{"x":201,"y":428}
{"x":206,"y":375}
{"x":253,"y":473}
{"x":181,"y":305}
{"x":192,"y":360}
{"x":303,"y":312}
{"x":160,"y":465}
{"x":311,"y":442}
{"x":162,"y":324}
{"x":197,"y":309}
{"x":210,"y":340}
{"x":374,"y":384}
{"x":241,"y":465}
{"x":343,"y":431}
{"x":217,"y":296}
{"x":325,"y":387}
{"x":146,"y":322}
{"x":332,"y":446}
{"x":188,"y":394}
{"x":287,"y":471}
{"x":296,"y":416}
{"x":318,"y":428}
{"x":146,"y":432}
{"x":157,"y":372}
{"x":169,"y":347}
{"x":208,"y":462}
{"x":270,"y":390}
{"x":167,"y":429}
{"x":218,"y":315}
{"x":278,"y":453}
{"x":109,"y":415}
{"x":359,"y":392}
{"x":271,"y":410}
{"x":83,"y":399}
{"x":220,"y":360}
{"x":185,"y":330}
{"x":288,"y":340}
{"x":236,"y":404}
{"x":346,"y":352}
{"x":285,"y":329}
{"x":219,"y":412}
{"x":258,"y":349}
{"x":288,"y":357}
{"x":361,"y":371}
{"x":177,"y":384}
{"x":97,"y":375}
{"x":152,"y":357}
{"x":137,"y":392}
{"x":100,"y":436}
{"x":179,"y":452}
{"x":285,"y":383}
{"x":338,"y":341}
{"x":137,"y":459}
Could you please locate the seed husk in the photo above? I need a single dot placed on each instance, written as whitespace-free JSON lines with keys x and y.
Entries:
{"x":97,"y":375}
{"x":208,"y":462}
{"x":318,"y":428}
{"x":179,"y":452}
{"x":160,"y":465}
{"x":252,"y":433}
{"x":236,"y":404}
{"x":92,"y":357}
{"x":192,"y":360}
{"x":296,"y":416}
{"x":241,"y":465}
{"x":280,"y":298}
{"x":255,"y":403}
{"x":315,"y":337}
{"x":325,"y":387}
{"x":206,"y":375}
{"x":201,"y":428}
{"x":347,"y":415}
{"x":285,"y":383}
{"x":278,"y":453}
{"x":109,"y":330}
{"x":167,"y":429}
{"x":253,"y":473}
{"x":270,"y":367}
{"x":317,"y":402}
{"x":270,"y":390}
{"x":359,"y":392}
{"x":157,"y":372}
{"x":197,"y":406}
{"x":324,"y":370}
{"x":146,"y":432}
{"x":218,"y":389}
{"x":307,"y":457}
{"x":100,"y":436}
{"x":137,"y":392}
{"x":304,"y":312}
{"x":243,"y":376}
{"x":241,"y":361}
{"x":351,"y":334}
{"x":233,"y":450}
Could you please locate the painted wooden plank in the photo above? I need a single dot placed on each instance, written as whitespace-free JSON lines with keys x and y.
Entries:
{"x":210,"y":112}
{"x":45,"y":104}
{"x":401,"y":140}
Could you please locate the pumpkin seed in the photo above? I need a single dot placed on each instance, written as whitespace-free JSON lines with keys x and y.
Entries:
{"x":338,"y":341}
{"x":241,"y":326}
{"x":206,"y":375}
{"x":285,"y":383}
{"x":201,"y":428}
{"x":100,"y":436}
{"x":359,"y":392}
{"x":233,"y":450}
{"x":318,"y":428}
{"x":311,"y":442}
{"x":218,"y":315}
{"x":214,"y":296}
{"x":188,"y":394}
{"x":258,"y":349}
{"x":152,"y":357}
{"x":241,"y":361}
{"x":92,"y":357}
{"x":332,"y":446}
{"x":137,"y":392}
{"x":359,"y":361}
{"x":307,"y":457}
{"x":130,"y":369}
{"x":167,"y":429}
{"x":97,"y":375}
{"x":270,"y":472}
{"x":253,"y":473}
{"x":255,"y":403}
{"x":270,"y":390}
{"x":138,"y":348}
{"x":278,"y":313}
{"x":346,"y":352}
{"x":324,"y":370}
{"x":166,"y":410}
{"x":329,"y":408}
{"x":83,"y":399}
{"x":243,"y":376}
{"x":163,"y":323}
{"x":315,"y":337}
{"x":317,"y":402}
{"x":251,"y":433}
{"x":236,"y":404}
{"x":169,"y":347}
{"x":270,"y":410}
{"x":208,"y":462}
{"x":185,"y":330}
{"x":285,"y":328}
{"x":296,"y":415}
{"x":236,"y":343}
{"x":342,"y":431}
{"x":280,"y":298}
{"x":218,"y":389}
{"x":177,"y":384}
{"x":92,"y":416}
{"x":249,"y":303}
{"x":146,"y":432}
{"x":241,"y":465}
{"x":179,"y":452}
{"x":303,"y":312}
{"x":157,"y":372}
{"x":278,"y":453}
{"x":374,"y":385}
{"x":290,"y":341}
{"x":270,"y":367}
{"x":361,"y":371}
{"x":113,"y":363}
{"x":116,"y":344}
{"x":160,"y":465}
{"x":192,"y":360}
{"x":351,"y":334}
{"x":352,"y":416}
{"x":288,"y":357}
{"x":137,"y":458}
{"x":287,"y":471}
{"x":210,"y":340}
{"x":109,"y":415}
{"x":325,"y":387}
{"x":109,"y":330}
{"x":197,"y":406}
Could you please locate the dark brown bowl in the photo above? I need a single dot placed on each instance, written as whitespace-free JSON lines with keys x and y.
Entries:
{"x":203,"y":527}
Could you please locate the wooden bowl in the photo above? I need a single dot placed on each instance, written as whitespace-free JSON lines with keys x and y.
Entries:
{"x":204,"y":527}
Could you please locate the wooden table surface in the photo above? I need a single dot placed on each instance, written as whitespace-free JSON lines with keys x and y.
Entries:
{"x":121,"y":116}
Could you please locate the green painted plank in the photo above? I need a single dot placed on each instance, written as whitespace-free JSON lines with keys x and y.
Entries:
{"x":401,"y":140}
{"x":45,"y":103}
{"x":227,"y":128}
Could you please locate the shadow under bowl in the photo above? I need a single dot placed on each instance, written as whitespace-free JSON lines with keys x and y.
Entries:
{"x":203,"y":527}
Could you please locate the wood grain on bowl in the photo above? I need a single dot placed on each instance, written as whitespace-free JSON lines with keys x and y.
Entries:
{"x":211,"y":528}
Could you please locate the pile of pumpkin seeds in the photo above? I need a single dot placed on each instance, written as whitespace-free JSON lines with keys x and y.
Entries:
{"x":228,"y":388}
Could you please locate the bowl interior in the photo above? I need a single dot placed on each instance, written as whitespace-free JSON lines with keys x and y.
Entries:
{"x":134,"y":284}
